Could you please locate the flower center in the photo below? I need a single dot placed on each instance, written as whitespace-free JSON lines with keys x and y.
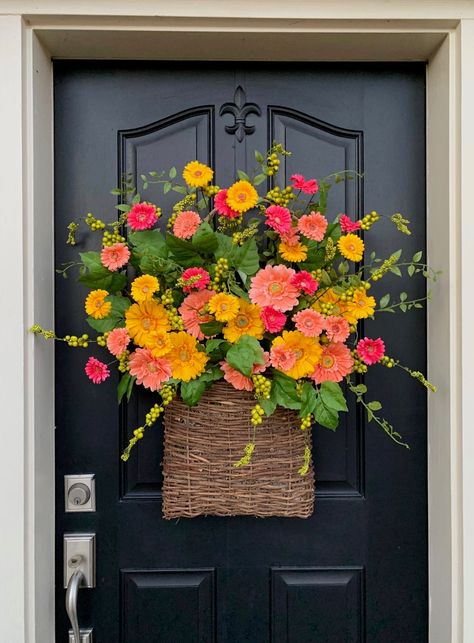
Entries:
{"x":242,"y":321}
{"x":298,"y":354}
{"x":308,"y":323}
{"x":141,"y":217}
{"x":224,"y":307}
{"x":184,"y":356}
{"x":197,"y":173}
{"x":275,"y":288}
{"x":351,"y":247}
{"x":151,"y":367}
{"x":361,"y":303}
{"x":146,"y":323}
{"x":145,"y":289}
{"x":242,"y":197}
{"x":99,"y":303}
{"x":327,"y":361}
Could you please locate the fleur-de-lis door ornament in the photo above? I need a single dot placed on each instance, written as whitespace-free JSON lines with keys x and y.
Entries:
{"x":240,"y":109}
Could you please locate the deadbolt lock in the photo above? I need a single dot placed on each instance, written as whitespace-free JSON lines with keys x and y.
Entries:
{"x":79,"y":491}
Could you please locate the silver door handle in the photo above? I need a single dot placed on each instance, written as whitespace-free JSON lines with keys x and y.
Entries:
{"x":71,"y":602}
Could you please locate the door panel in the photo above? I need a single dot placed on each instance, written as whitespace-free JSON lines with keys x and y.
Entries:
{"x":357,"y":569}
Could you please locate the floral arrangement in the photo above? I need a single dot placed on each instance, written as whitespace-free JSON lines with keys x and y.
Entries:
{"x":263,"y":290}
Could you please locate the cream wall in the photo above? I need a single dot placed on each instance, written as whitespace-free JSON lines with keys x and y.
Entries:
{"x":30,"y":33}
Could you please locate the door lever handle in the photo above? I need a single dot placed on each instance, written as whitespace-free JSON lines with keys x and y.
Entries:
{"x":71,"y":602}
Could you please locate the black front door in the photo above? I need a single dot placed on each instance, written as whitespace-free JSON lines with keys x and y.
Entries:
{"x":357,"y":569}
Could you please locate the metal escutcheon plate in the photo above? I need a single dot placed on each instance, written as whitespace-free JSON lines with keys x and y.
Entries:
{"x":86,"y":636}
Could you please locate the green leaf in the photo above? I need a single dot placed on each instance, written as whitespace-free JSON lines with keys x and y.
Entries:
{"x":374,"y":406}
{"x":136,"y":198}
{"x":123,"y":386}
{"x":180,"y":189}
{"x":403,"y":308}
{"x":211,"y":328}
{"x":97,"y":276}
{"x":130,"y":387}
{"x":244,"y":354}
{"x":192,"y":391}
{"x":258,"y":156}
{"x":122,"y":207}
{"x":166,"y":187}
{"x":242,"y":175}
{"x":245,"y":257}
{"x":383,"y":303}
{"x":417,"y":256}
{"x":259,"y":178}
{"x":396,"y":255}
{"x":284,"y":391}
{"x":327,"y":417}
{"x":217,"y":348}
{"x":360,"y":389}
{"x":396,"y":271}
{"x":204,"y":239}
{"x":224,"y":246}
{"x":183,"y":251}
{"x":172,"y":173}
{"x":268,"y":406}
{"x":332,"y":396}
{"x":102,"y":325}
{"x":149,"y":242}
{"x":309,"y":398}
{"x":403,"y":296}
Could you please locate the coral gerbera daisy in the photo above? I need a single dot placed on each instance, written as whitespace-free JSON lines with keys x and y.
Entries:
{"x":186,"y":224}
{"x":96,"y":306}
{"x":193,"y":312}
{"x":336,"y":362}
{"x":150,"y":371}
{"x":236,"y":378}
{"x":278,"y":218}
{"x":197,"y":175}
{"x":96,"y":370}
{"x":306,"y":351}
{"x":282,"y":358}
{"x":351,"y":247}
{"x":371,"y":351}
{"x":347,"y":225}
{"x":187,"y":362}
{"x":246,"y":322}
{"x":305,"y":282}
{"x":361,"y":306}
{"x":313,"y":226}
{"x":144,"y":287}
{"x":224,"y":307}
{"x":337,"y":328}
{"x":309,"y":322}
{"x":195,"y":279}
{"x":242,"y":196}
{"x":141,"y":319}
{"x":143,"y":216}
{"x":117,"y":341}
{"x":115,"y":256}
{"x":220,"y":203}
{"x":272,"y":286}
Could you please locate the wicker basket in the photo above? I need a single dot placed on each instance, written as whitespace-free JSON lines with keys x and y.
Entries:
{"x":203,"y":442}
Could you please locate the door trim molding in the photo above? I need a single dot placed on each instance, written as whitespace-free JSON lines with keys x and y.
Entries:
{"x":27,"y":44}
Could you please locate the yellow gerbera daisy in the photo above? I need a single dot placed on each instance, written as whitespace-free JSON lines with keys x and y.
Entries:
{"x":361,"y":306}
{"x":96,"y":306}
{"x":160,"y":343}
{"x":351,"y":247}
{"x":293,"y":252}
{"x":187,"y":362}
{"x":306,"y":351}
{"x":197,"y":175}
{"x":242,"y":196}
{"x":329,"y":303}
{"x":246,"y":322}
{"x":142,"y":319}
{"x":224,"y":307}
{"x":144,"y":287}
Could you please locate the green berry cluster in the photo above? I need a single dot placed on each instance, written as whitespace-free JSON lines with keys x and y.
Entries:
{"x":93,"y":223}
{"x":153,"y":414}
{"x":224,"y":223}
{"x":167,"y":393}
{"x":138,"y":432}
{"x":384,"y":268}
{"x":317,"y":274}
{"x":245,"y":459}
{"x":306,"y":422}
{"x":71,"y":237}
{"x":210,"y":190}
{"x":123,"y":361}
{"x":110,"y":238}
{"x":349,"y":293}
{"x":238,"y":238}
{"x":39,"y":330}
{"x":326,"y":307}
{"x":359,"y":366}
{"x":389,"y":362}
{"x":75,"y":341}
{"x":273,"y":164}
{"x":306,"y":461}
{"x":167,"y":297}
{"x":262,"y":385}
{"x":256,"y":415}
{"x":102,"y":339}
{"x":279,"y":196}
{"x":174,"y":318}
{"x":220,"y":274}
{"x":368,"y":221}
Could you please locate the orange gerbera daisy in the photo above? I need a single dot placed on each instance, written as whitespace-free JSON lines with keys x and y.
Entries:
{"x":144,"y":287}
{"x":197,"y":175}
{"x":187,"y":362}
{"x":361,"y":306}
{"x":305,"y":350}
{"x":142,"y":319}
{"x":242,"y":196}
{"x":96,"y":306}
{"x":246,"y":322}
{"x":351,"y":247}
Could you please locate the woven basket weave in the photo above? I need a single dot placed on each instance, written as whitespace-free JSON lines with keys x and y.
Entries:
{"x":202,"y":443}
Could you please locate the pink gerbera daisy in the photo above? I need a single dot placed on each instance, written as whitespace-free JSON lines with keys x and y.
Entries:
{"x":371,"y":351}
{"x":282,"y":357}
{"x":309,"y":322}
{"x":151,"y":372}
{"x":278,"y":218}
{"x":220,"y":203}
{"x":337,"y":328}
{"x":335,"y":363}
{"x":142,"y":216}
{"x":115,"y":256}
{"x":305,"y":282}
{"x":186,"y":224}
{"x":195,"y":279}
{"x":117,"y":341}
{"x":272,"y":287}
{"x":193,"y":312}
{"x":236,"y":378}
{"x":273,"y":319}
{"x":347,"y":225}
{"x":309,"y":186}
{"x":96,"y":370}
{"x":313,"y":226}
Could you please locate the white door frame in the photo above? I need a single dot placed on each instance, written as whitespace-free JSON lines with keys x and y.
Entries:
{"x":29,"y":38}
